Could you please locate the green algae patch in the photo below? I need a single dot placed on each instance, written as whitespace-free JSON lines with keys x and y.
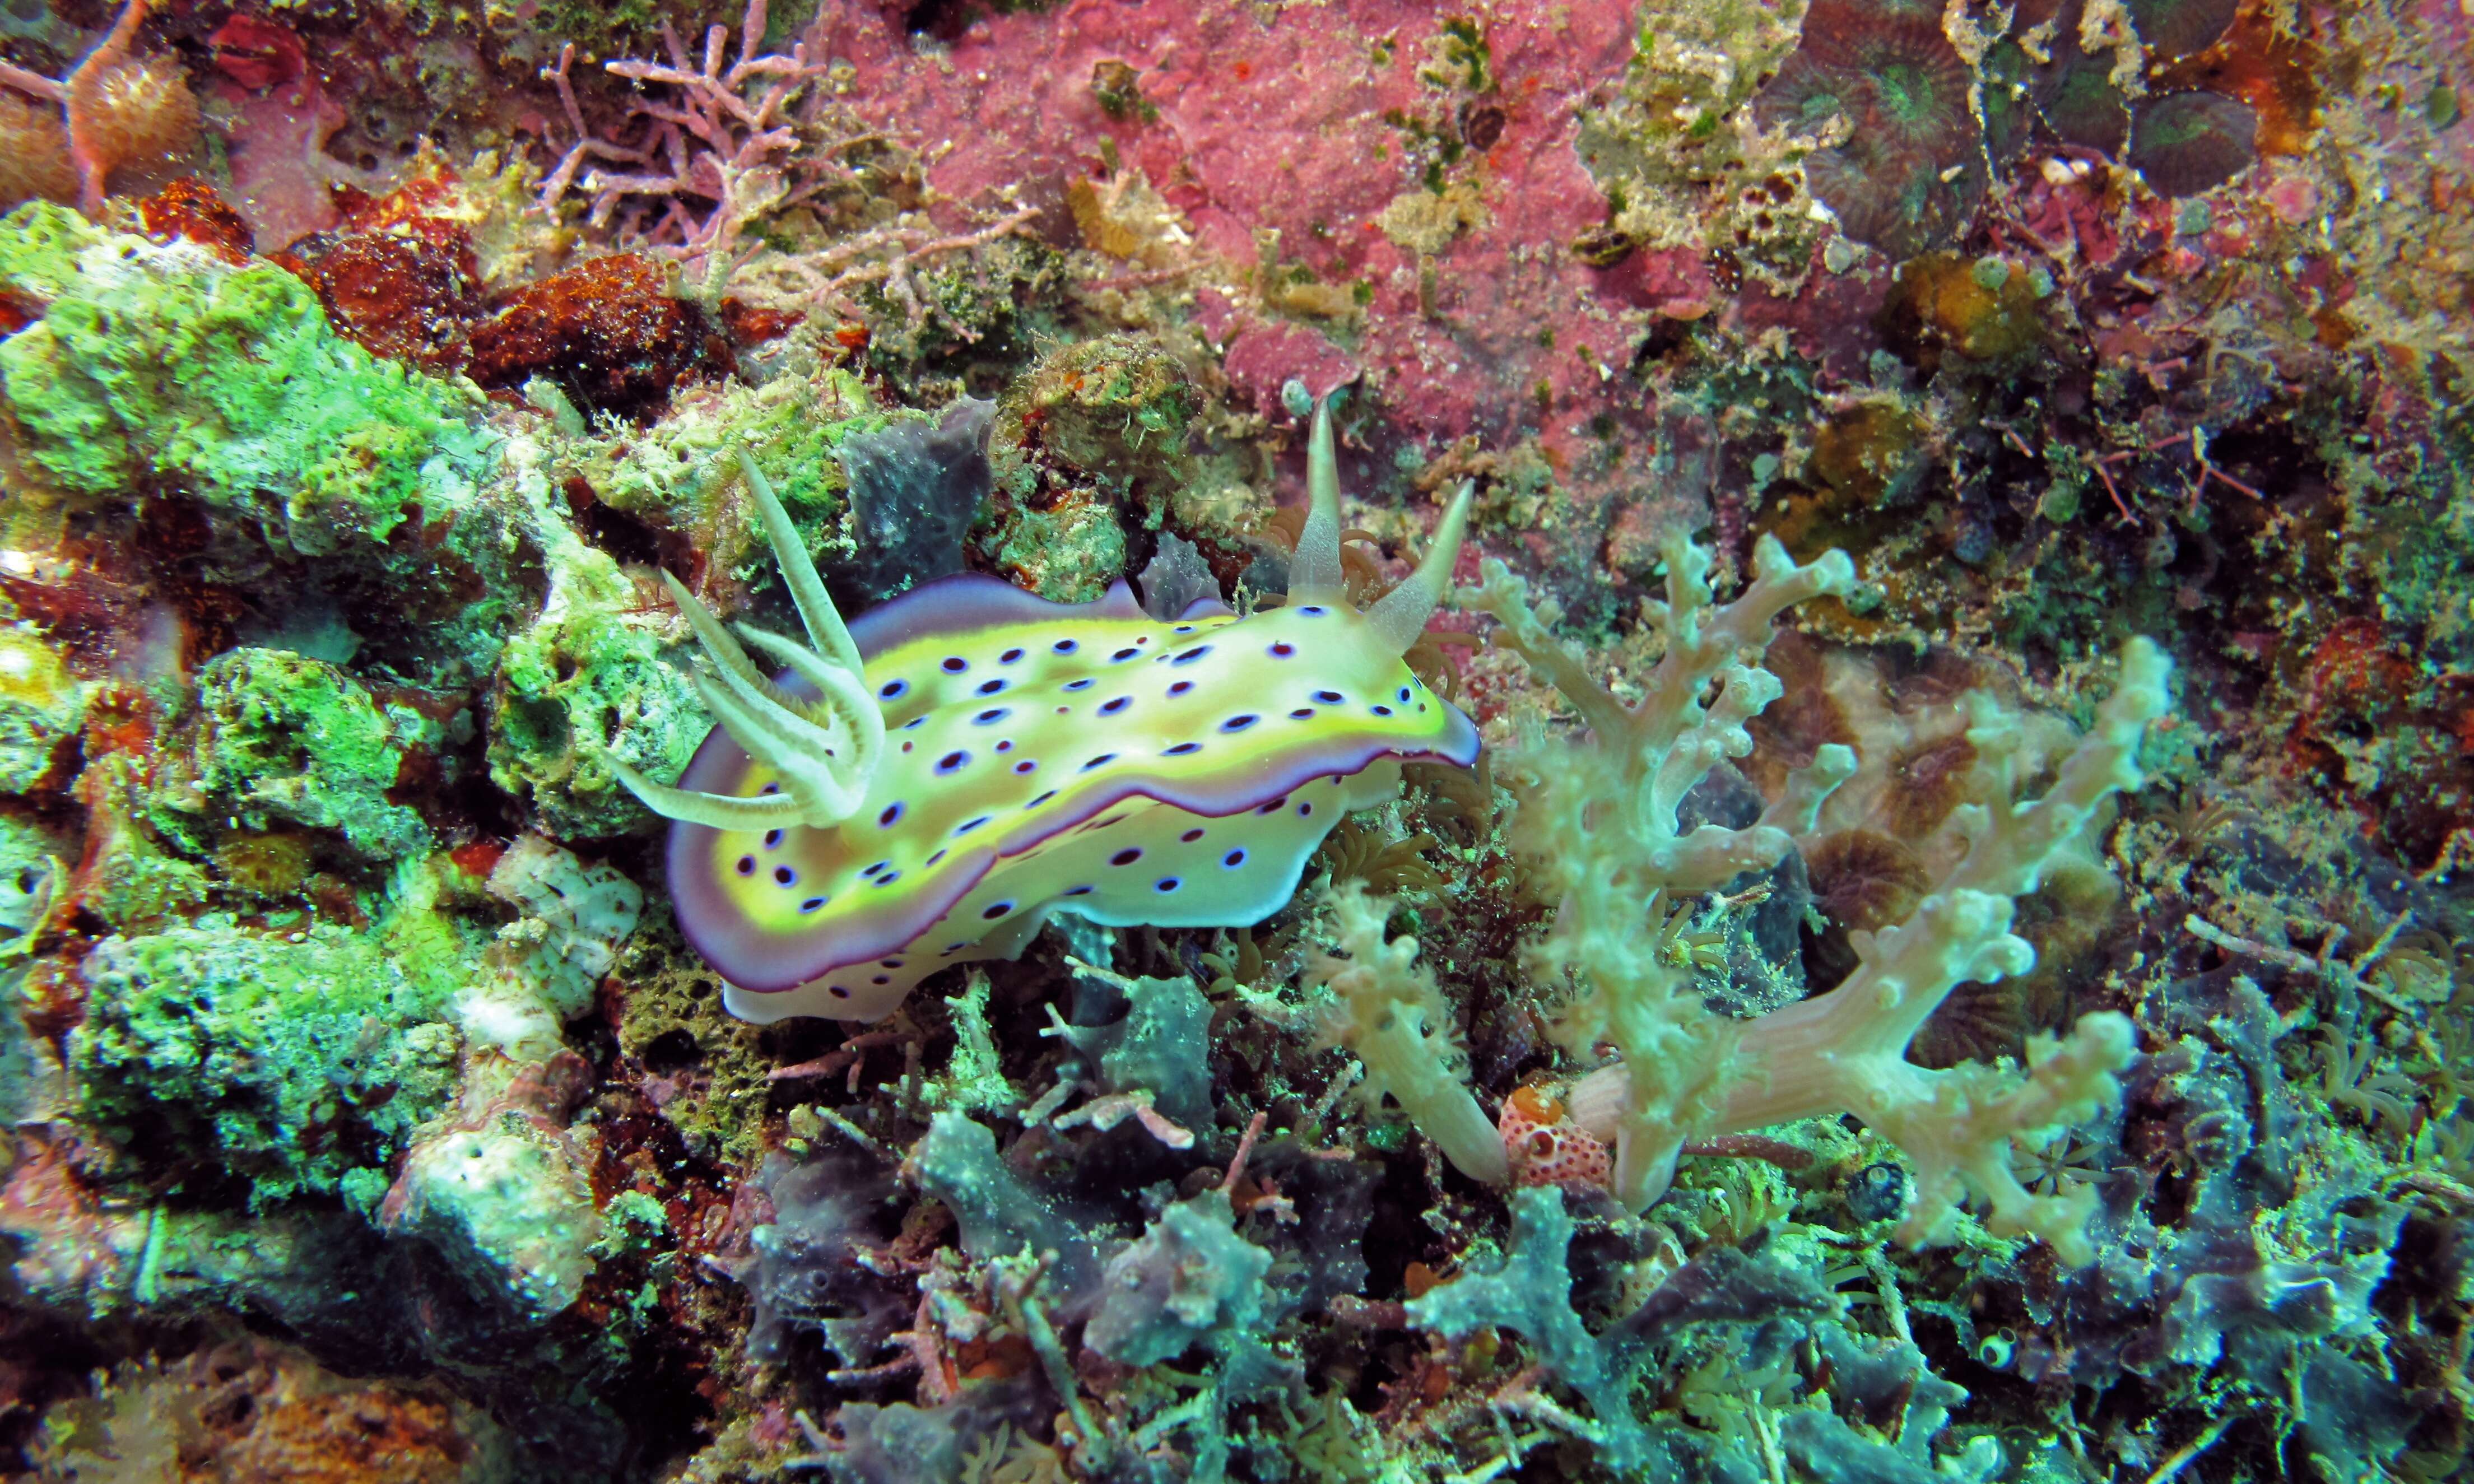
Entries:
{"x":682,"y":471}
{"x":283,"y":739}
{"x":164,"y":365}
{"x":294,"y":1062}
{"x":575,"y":689}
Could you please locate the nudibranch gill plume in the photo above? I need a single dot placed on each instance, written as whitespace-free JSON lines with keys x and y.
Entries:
{"x":928,"y":784}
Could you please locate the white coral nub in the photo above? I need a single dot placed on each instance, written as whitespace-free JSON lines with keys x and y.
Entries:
{"x":822,"y":751}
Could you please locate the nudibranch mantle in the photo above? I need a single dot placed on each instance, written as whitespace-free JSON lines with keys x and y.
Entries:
{"x":1036,"y":758}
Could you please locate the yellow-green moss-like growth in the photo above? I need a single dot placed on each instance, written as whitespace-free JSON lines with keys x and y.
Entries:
{"x":156,"y":367}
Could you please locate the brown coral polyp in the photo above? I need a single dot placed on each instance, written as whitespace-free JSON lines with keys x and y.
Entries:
{"x":33,"y":153}
{"x":144,"y":114}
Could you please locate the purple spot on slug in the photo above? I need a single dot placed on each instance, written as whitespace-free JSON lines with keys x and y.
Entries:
{"x":784,"y":876}
{"x":812,"y":904}
{"x":1114,"y":705}
{"x":934,"y":859}
{"x":1126,"y":857}
{"x":991,"y":686}
{"x":1233,"y":859}
{"x":955,"y":663}
{"x":1380,"y":711}
{"x":890,"y":876}
{"x":773,"y":840}
{"x":1312,"y":610}
{"x":1238,"y":723}
{"x":914,"y":724}
{"x":969,"y":825}
{"x":1100,"y":761}
{"x":950,"y":762}
{"x":892,"y":687}
{"x":995,"y":909}
{"x":881,"y":979}
{"x":837,"y":991}
{"x":1301,"y":713}
{"x":1191,"y":836}
{"x":770,"y":787}
{"x":1181,"y":749}
{"x":1305,"y":810}
{"x":1079,"y":892}
{"x":1192,"y":655}
{"x":1404,"y":692}
{"x":747,"y":865}
{"x":1283,"y":649}
{"x":885,"y":821}
{"x":1025,"y":765}
{"x":1084,"y":684}
{"x":1042,"y":799}
{"x":1064,"y":647}
{"x":1008,"y":657}
{"x":992,"y":714}
{"x":1122,"y":654}
{"x":1180,"y":688}
{"x":1165,"y":884}
{"x":1329,"y":697}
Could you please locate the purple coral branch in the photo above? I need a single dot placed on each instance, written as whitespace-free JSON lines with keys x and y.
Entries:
{"x":731,"y":143}
{"x":745,"y":159}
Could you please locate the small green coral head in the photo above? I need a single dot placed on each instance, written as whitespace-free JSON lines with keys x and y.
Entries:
{"x":1388,"y":1012}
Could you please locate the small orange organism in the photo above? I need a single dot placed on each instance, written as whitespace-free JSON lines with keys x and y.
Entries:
{"x":1545,"y":1146}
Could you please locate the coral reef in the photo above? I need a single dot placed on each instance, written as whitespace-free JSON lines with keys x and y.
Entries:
{"x":1669,"y":740}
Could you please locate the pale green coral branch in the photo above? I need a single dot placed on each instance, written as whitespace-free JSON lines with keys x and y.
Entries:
{"x":1385,"y":1010}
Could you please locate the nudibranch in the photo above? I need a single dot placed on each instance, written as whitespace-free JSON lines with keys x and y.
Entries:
{"x":928,"y":785}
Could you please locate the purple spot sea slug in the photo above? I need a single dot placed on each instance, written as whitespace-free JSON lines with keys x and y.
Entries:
{"x":926,"y":785}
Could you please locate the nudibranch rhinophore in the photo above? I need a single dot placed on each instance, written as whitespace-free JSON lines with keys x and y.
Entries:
{"x":928,"y":785}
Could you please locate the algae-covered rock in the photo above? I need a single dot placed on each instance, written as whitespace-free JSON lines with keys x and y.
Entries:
{"x":682,"y":472}
{"x":283,"y":1061}
{"x":154,"y":364}
{"x":510,"y":1209}
{"x":284,"y":739}
{"x":581,"y":686}
{"x":1092,"y":439}
{"x":1189,"y":1277}
{"x":41,"y":707}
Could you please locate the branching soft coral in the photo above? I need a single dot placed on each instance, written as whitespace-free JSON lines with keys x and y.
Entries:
{"x":1387,"y":1012}
{"x":1597,"y":820}
{"x":1597,"y":825}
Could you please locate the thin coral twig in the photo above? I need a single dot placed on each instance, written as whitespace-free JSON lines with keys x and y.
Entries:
{"x":86,"y":147}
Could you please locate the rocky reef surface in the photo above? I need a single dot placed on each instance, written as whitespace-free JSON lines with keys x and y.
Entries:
{"x":1951,"y":964}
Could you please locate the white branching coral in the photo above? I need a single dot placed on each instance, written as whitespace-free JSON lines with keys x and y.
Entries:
{"x":1597,"y":822}
{"x":1388,"y":1013}
{"x":1597,"y":825}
